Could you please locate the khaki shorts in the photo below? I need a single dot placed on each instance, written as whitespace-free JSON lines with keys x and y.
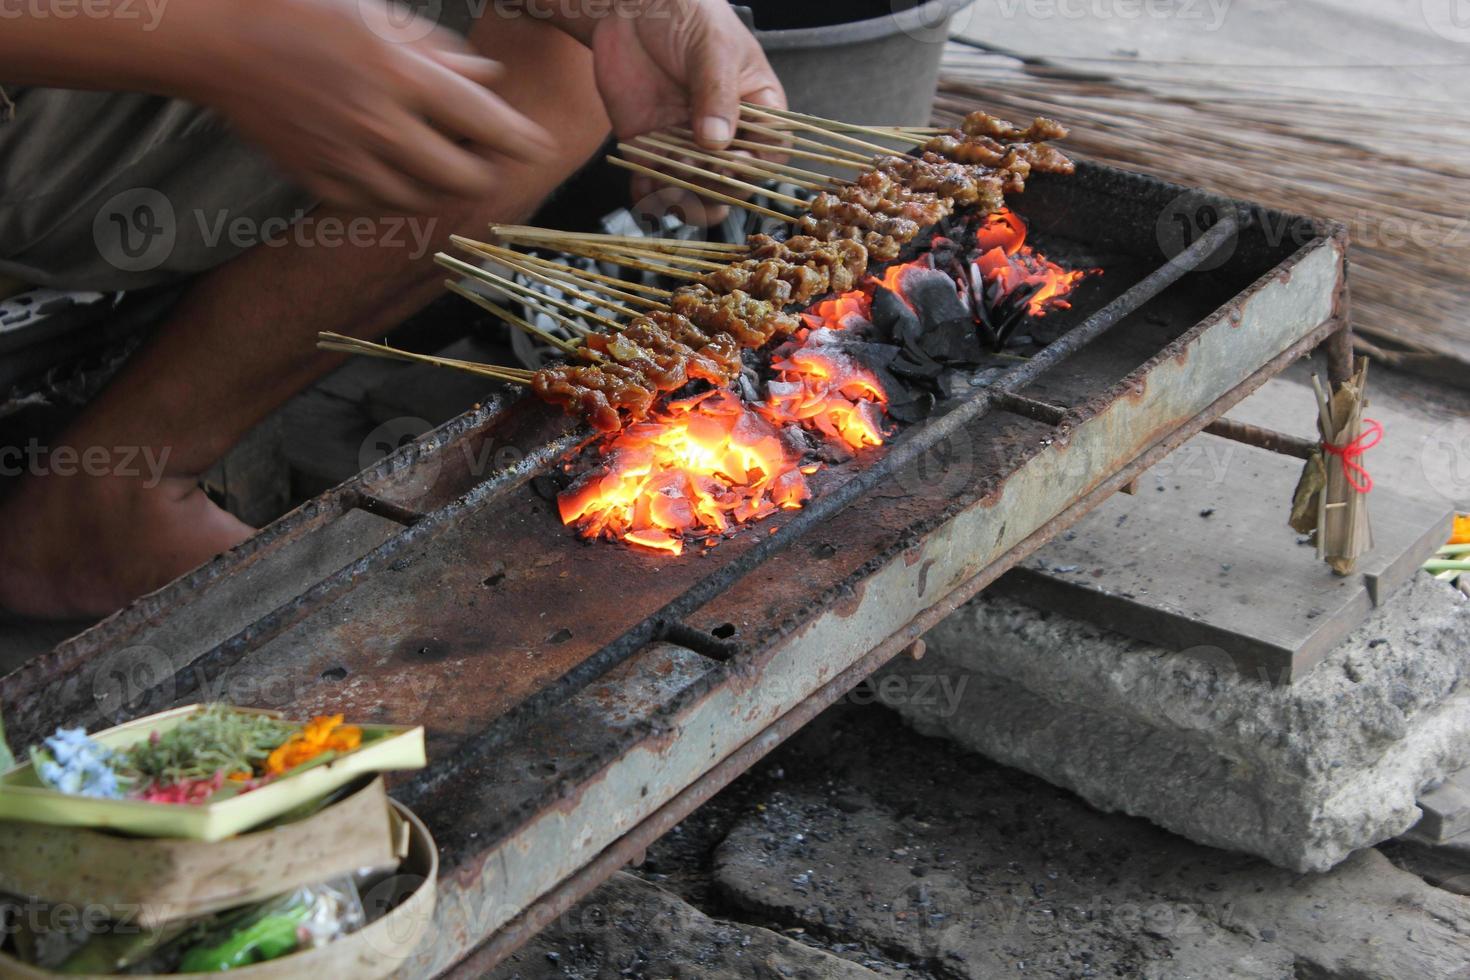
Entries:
{"x":118,"y":191}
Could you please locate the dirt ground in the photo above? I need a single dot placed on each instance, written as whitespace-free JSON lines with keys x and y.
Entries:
{"x":861,"y":849}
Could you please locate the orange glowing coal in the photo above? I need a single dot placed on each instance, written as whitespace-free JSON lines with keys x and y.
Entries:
{"x":820,"y":386}
{"x":1007,"y":259}
{"x":702,"y":467}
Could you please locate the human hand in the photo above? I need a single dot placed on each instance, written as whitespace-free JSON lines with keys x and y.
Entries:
{"x":687,"y":63}
{"x":367,"y":108}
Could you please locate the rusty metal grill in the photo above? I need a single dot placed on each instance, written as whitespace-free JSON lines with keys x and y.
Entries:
{"x":579,"y":697}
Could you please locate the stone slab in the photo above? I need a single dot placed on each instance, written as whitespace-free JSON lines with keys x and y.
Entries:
{"x":1301,"y":775}
{"x":1202,"y":557}
{"x":631,"y":928}
{"x":963,"y":869}
{"x":1446,"y":811}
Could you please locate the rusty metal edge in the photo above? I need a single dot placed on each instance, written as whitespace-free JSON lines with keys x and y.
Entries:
{"x":71,"y":654}
{"x":573,"y":889}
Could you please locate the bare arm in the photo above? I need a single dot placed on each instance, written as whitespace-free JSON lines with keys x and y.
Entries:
{"x":364,"y":109}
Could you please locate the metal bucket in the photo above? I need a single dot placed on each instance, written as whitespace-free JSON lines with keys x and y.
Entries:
{"x":882,"y":69}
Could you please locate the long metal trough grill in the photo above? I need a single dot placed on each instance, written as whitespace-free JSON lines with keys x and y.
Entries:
{"x":581,"y":698}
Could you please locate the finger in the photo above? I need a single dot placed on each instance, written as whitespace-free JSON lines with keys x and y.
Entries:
{"x":477,"y":68}
{"x":476,"y":114}
{"x":420,"y":153}
{"x":771,"y":94}
{"x":385,"y":188}
{"x":716,"y":97}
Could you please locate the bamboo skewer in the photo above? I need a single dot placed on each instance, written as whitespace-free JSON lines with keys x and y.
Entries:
{"x":675,"y":258}
{"x":833,"y":153}
{"x":516,"y":232}
{"x":789,"y":151}
{"x":563,"y":284}
{"x":707,"y":174}
{"x":676,"y":137}
{"x":834,"y":126}
{"x":701,"y":191}
{"x":556,"y":270}
{"x":351,"y":345}
{"x":475,"y":272}
{"x":872,"y":148}
{"x":742,"y":166}
{"x":600,"y":300}
{"x":634,"y":262}
{"x":519,"y":322}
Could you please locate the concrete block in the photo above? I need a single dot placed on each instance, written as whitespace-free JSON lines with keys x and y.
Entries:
{"x":1302,"y":776}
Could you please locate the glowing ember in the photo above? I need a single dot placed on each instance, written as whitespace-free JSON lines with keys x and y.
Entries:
{"x":1005,"y":259}
{"x":704,"y":466}
{"x":822,"y":387}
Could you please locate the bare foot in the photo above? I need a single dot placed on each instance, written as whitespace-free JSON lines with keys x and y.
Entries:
{"x":83,"y":546}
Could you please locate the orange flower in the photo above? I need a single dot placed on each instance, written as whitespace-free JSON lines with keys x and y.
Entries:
{"x":325,"y":733}
{"x":1461,"y":533}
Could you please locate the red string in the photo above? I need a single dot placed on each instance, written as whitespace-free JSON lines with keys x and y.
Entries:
{"x":1357,"y":475}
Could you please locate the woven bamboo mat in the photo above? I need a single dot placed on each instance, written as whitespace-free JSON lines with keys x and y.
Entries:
{"x":1396,"y":172}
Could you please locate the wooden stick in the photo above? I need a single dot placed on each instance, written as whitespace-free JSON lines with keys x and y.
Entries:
{"x":707,"y":174}
{"x":820,"y":183}
{"x":566,"y":287}
{"x":594,"y":280}
{"x":516,"y":321}
{"x":475,"y":272}
{"x":667,"y":257}
{"x":701,"y":191}
{"x":531,"y":231}
{"x":835,"y":152}
{"x":744,"y":144}
{"x":811,"y":127}
{"x":572,"y":249}
{"x":351,"y":345}
{"x":836,"y":126}
{"x":634,"y":262}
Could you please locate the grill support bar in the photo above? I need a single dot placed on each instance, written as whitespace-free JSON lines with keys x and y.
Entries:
{"x":631,"y":847}
{"x":903,"y":453}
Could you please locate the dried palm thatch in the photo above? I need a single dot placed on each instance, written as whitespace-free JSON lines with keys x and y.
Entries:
{"x":1397,"y":174}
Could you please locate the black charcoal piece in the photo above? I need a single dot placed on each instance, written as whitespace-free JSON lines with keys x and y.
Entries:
{"x":548,"y":485}
{"x":952,"y":342}
{"x":893,"y":320}
{"x":914,"y":409}
{"x":934,"y":295}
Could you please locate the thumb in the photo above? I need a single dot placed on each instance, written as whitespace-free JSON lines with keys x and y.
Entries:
{"x":716,"y":97}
